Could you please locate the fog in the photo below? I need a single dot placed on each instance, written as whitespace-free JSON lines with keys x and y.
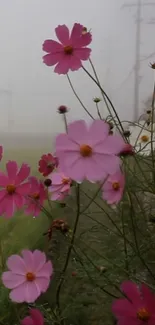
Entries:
{"x":30,"y":92}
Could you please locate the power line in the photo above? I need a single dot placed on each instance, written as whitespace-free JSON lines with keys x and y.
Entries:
{"x":137,"y":77}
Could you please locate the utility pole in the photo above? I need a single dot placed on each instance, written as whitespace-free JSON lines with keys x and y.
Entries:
{"x":137,"y":76}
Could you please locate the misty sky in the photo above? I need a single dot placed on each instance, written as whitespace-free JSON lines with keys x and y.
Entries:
{"x":30,"y":92}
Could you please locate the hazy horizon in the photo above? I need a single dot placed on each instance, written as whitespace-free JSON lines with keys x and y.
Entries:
{"x":30,"y":92}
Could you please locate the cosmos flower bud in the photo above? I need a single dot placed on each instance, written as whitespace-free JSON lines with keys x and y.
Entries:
{"x":128,"y":150}
{"x":97,"y":100}
{"x":127,"y":133}
{"x":47,"y":182}
{"x":62,"y":109}
{"x":152,"y":65}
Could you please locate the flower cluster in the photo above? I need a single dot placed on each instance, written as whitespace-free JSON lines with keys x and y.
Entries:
{"x":93,"y":152}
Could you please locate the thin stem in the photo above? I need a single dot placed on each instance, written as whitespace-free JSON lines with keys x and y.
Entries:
{"x":152,"y":122}
{"x":92,"y":280}
{"x":78,"y":98}
{"x":125,"y":243}
{"x":110,"y":102}
{"x":97,"y":79}
{"x":135,"y":237}
{"x":65,"y":122}
{"x":98,"y":111}
{"x":69,"y":249}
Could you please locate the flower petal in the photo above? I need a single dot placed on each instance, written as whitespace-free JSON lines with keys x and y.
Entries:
{"x":78,"y":131}
{"x":26,"y":292}
{"x":42,"y":283}
{"x":24,"y":189}
{"x":16,"y":264}
{"x":39,"y":260}
{"x":113,"y":144}
{"x":109,"y":163}
{"x":19,"y":200}
{"x":3,"y":180}
{"x":9,"y":205}
{"x":63,"y":65}
{"x":75,"y":63}
{"x":52,"y":58}
{"x":84,"y":40}
{"x":62,"y":33}
{"x":56,"y":178}
{"x":76,"y":32}
{"x":132,"y":292}
{"x":37,"y":316}
{"x":64,"y":142}
{"x":46,"y":270}
{"x":27,"y":321}
{"x":82,"y":53}
{"x":12,"y":169}
{"x":149,"y":298}
{"x":123,"y":308}
{"x":23,"y":173}
{"x":28,"y":260}
{"x":94,"y":171}
{"x":11,"y":280}
{"x":3,"y":193}
{"x":51,"y":46}
{"x":98,"y":132}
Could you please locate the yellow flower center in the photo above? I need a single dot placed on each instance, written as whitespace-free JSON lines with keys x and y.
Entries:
{"x":143,"y":314}
{"x":68,"y":49}
{"x":85,"y":150}
{"x":35,"y":196}
{"x":144,"y":138}
{"x":116,"y":186}
{"x":30,"y":276}
{"x":11,"y":189}
{"x":65,"y":180}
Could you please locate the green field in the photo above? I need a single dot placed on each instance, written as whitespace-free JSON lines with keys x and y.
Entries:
{"x":101,"y":258}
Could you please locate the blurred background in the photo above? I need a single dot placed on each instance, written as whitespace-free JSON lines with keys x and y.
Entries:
{"x":30,"y":92}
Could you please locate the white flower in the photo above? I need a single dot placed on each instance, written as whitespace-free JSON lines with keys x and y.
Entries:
{"x":140,"y":139}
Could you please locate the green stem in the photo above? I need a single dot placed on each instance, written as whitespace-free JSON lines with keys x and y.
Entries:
{"x":106,"y":96}
{"x":78,"y":98}
{"x":69,"y":249}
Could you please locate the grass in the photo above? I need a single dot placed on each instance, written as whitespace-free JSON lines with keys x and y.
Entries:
{"x":99,"y":259}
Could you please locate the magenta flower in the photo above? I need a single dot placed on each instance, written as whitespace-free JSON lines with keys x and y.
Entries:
{"x":60,"y":186}
{"x":68,"y":54}
{"x":14,"y":191}
{"x":36,"y":198}
{"x":47,"y":164}
{"x":138,"y":309}
{"x":28,"y":276}
{"x":88,"y":153}
{"x":113,"y":188}
{"x":35,"y":318}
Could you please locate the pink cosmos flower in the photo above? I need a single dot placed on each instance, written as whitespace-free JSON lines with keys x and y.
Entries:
{"x":36,"y":198}
{"x":35,"y":318}
{"x":88,"y":153}
{"x":47,"y":164}
{"x":60,"y":186}
{"x":28,"y":276}
{"x":138,"y":309}
{"x":113,"y":188}
{"x":14,"y":191}
{"x":68,"y":54}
